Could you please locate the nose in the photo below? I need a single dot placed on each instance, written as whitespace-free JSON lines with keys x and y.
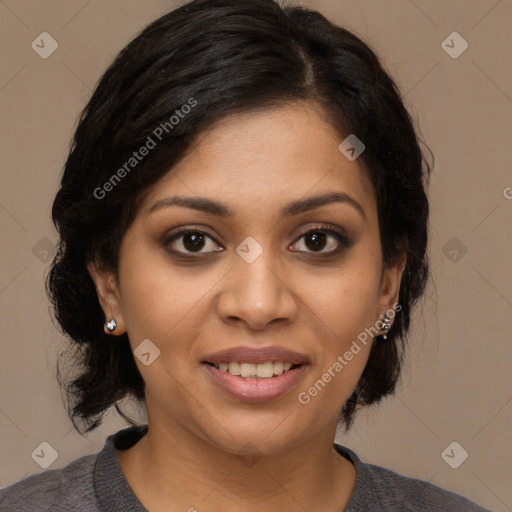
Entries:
{"x":257,"y":294}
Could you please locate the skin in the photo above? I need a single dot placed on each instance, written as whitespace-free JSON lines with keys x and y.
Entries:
{"x":292,"y":295}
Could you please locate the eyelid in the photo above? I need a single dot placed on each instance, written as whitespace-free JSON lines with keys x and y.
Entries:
{"x":189,"y":228}
{"x":331,"y":228}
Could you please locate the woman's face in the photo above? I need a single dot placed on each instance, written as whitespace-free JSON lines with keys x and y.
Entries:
{"x":252,"y":279}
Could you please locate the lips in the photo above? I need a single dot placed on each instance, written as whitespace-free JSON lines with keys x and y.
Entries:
{"x":245,"y":374}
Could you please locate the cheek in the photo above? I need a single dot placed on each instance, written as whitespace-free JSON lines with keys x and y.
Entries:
{"x":346,"y":300}
{"x":345,"y":305}
{"x":170,"y":305}
{"x":159,"y":301}
{"x":163,"y":304}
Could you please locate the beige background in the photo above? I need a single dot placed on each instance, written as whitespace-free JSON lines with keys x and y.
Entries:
{"x":457,"y":383}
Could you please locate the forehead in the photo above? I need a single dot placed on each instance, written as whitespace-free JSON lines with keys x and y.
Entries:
{"x":266,"y":158}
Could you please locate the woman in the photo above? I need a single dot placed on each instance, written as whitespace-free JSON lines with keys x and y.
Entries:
{"x":243,"y":226}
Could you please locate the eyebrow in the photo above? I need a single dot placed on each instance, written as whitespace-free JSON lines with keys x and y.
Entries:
{"x":296,"y":207}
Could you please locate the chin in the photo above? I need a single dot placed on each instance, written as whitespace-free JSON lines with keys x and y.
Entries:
{"x":262,"y":434}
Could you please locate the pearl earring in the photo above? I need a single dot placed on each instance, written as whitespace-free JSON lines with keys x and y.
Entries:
{"x":112,"y":325}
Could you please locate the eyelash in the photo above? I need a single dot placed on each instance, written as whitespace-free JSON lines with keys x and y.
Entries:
{"x":342,"y":240}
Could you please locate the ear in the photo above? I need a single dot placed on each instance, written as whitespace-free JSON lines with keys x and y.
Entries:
{"x":390,"y":283}
{"x":107,"y":289}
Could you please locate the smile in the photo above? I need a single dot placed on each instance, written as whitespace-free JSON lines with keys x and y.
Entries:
{"x":251,"y":387}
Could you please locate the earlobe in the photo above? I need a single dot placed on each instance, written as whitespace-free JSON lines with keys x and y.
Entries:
{"x":108,"y":295}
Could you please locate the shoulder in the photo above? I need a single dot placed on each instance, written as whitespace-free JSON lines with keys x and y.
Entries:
{"x":414,"y":494}
{"x":383,"y":489}
{"x":55,"y":490}
{"x":88,"y":484}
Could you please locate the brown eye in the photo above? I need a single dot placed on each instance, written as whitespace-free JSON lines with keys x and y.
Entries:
{"x":191,"y":241}
{"x":316,"y":241}
{"x":321,"y":241}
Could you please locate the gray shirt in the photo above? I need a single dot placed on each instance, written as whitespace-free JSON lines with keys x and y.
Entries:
{"x":95,"y":483}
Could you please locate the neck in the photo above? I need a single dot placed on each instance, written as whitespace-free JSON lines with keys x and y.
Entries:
{"x":192,"y":473}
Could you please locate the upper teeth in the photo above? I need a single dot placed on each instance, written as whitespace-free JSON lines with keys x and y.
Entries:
{"x":261,"y":370}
